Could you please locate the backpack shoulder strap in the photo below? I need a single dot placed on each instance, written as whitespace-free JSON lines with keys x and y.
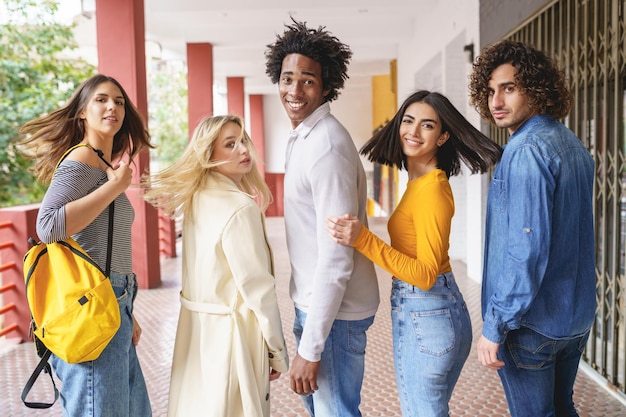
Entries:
{"x":97,"y":151}
{"x":111,"y":206}
{"x":68,"y":152}
{"x":42,"y":366}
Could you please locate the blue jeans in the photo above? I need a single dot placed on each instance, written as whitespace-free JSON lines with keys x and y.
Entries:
{"x":539,"y":373}
{"x":112,"y":385}
{"x":432,"y":337}
{"x":341,"y":370}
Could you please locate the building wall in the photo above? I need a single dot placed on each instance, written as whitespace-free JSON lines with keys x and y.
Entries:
{"x":498,"y":17}
{"x":435,"y":59}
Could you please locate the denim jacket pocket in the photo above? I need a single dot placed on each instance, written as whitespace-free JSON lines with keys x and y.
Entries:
{"x":497,"y":195}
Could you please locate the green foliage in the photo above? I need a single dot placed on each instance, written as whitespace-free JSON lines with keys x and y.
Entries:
{"x":36,"y":76}
{"x":167,"y":109}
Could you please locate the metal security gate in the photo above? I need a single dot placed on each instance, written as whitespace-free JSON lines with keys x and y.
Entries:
{"x":588,"y":38}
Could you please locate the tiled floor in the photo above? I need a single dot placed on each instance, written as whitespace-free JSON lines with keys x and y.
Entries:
{"x":478,"y":392}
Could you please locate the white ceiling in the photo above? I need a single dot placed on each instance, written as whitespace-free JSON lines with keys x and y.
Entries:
{"x":240,"y":30}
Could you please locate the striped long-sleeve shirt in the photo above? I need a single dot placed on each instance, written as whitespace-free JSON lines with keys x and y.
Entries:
{"x":72,"y":181}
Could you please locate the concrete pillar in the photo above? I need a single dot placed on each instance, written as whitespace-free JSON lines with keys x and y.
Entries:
{"x":121,"y":54}
{"x":199,"y":82}
{"x":256,"y":129}
{"x":236,"y":96}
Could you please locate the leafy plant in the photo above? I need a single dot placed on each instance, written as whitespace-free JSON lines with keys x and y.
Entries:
{"x":167,"y":108}
{"x":37,"y":75}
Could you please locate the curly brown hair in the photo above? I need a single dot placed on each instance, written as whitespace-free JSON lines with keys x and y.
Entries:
{"x":317,"y":44}
{"x":537,"y":76}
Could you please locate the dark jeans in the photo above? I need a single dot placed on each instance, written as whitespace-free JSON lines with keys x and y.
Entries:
{"x":539,"y":373}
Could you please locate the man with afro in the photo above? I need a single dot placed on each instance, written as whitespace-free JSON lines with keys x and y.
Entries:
{"x":333,"y":287}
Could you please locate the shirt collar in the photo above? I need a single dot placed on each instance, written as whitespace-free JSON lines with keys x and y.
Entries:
{"x":305,"y":127}
{"x":538,"y":118}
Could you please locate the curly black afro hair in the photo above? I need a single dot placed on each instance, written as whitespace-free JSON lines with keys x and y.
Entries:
{"x":537,"y":76}
{"x":317,"y":44}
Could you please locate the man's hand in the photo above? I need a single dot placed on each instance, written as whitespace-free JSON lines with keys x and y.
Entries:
{"x":488,"y":353}
{"x":303,"y":376}
{"x":136,"y":331}
{"x":274,"y":374}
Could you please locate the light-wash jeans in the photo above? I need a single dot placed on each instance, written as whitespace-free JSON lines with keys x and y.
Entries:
{"x":432,"y":337}
{"x":341,"y":370}
{"x":539,"y":373}
{"x":113,"y":385}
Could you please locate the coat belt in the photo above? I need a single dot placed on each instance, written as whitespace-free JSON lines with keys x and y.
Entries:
{"x":205,"y":307}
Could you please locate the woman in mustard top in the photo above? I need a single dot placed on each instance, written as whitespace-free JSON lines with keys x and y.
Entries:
{"x":432,"y":332}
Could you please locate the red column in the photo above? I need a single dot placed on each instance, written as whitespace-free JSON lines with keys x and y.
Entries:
{"x":276,"y":183}
{"x":257,"y":129}
{"x":199,"y":82}
{"x":235,"y":94}
{"x":121,"y":54}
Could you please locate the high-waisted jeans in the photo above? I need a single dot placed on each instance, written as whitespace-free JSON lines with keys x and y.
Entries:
{"x":112,"y":385}
{"x":432,"y":337}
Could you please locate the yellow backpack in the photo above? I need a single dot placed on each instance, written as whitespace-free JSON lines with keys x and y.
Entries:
{"x":74,"y":310}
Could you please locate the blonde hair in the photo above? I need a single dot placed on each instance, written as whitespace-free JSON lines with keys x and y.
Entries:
{"x":173,"y":188}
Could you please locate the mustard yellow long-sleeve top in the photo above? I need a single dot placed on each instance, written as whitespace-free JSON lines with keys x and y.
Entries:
{"x":419,"y":230}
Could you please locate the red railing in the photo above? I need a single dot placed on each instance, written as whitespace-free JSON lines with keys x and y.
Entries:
{"x":167,"y":236}
{"x":17,"y":224}
{"x":11,"y":286}
{"x":6,"y":329}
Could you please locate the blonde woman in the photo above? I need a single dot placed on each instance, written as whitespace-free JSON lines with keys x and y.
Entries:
{"x":229,"y":343}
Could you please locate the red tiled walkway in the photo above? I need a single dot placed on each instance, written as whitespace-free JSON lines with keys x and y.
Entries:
{"x":478,"y":392}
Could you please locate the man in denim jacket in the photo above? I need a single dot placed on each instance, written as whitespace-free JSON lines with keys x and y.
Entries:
{"x":538,"y":294}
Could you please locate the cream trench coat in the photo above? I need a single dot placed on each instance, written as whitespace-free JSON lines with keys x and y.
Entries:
{"x":229,"y":330}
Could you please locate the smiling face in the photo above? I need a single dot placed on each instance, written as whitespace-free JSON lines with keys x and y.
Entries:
{"x":300,"y":87}
{"x":104,"y":113}
{"x":236,"y":155}
{"x":420,"y":135}
{"x":507,"y":103}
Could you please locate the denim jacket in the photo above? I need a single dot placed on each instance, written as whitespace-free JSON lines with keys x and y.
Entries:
{"x":539,"y":269}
